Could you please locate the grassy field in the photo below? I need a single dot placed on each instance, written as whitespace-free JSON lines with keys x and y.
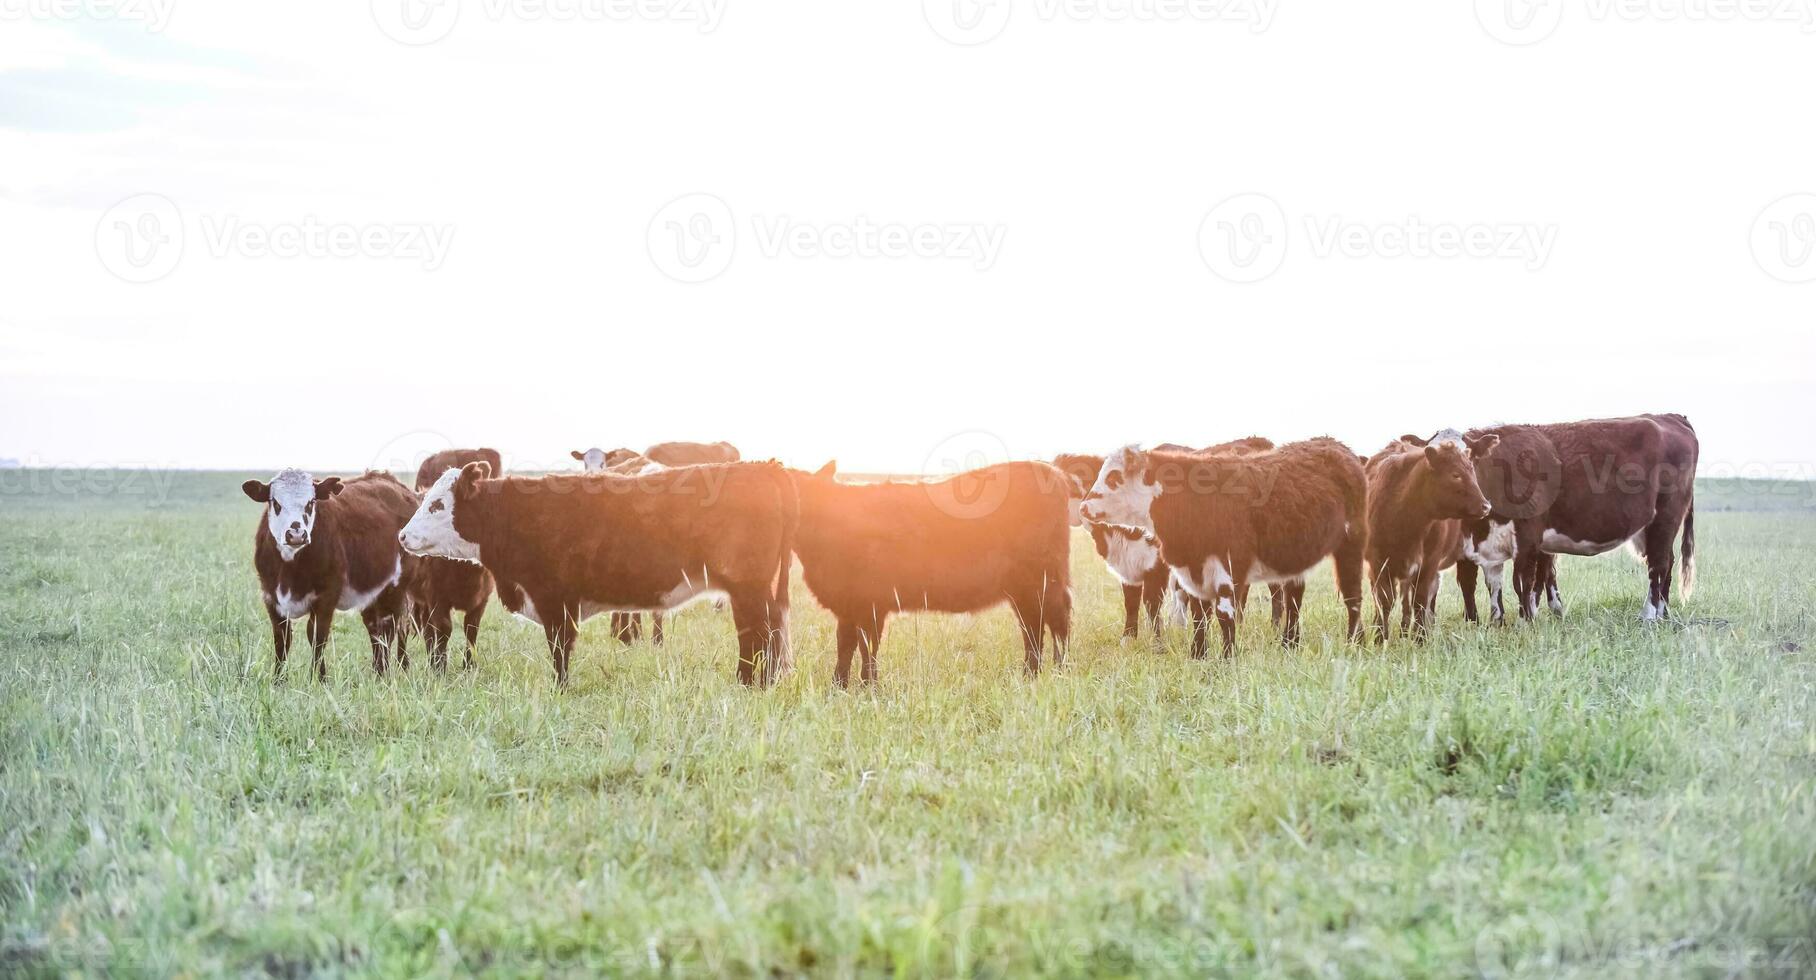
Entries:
{"x":1581,"y":797}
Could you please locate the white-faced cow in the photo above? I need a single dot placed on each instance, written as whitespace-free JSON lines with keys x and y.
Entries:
{"x":566,"y":547}
{"x":1226,"y":521}
{"x":1584,"y":488}
{"x":327,"y":545}
{"x":596,"y":460}
{"x":962,"y":544}
{"x":444,"y":586}
{"x":1419,"y":493}
{"x":1133,"y":554}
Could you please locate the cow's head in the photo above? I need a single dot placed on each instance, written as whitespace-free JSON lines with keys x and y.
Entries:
{"x":1124,"y":491}
{"x":431,"y":529}
{"x":592,"y":460}
{"x":1452,"y":479}
{"x":289,"y":501}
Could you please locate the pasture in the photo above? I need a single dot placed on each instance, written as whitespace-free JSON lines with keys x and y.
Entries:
{"x":1581,"y":797}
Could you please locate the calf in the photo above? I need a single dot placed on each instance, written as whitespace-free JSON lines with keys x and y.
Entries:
{"x":692,"y":453}
{"x":1226,"y":521}
{"x":595,"y":460}
{"x":1584,"y":488}
{"x":1419,"y":492}
{"x":444,"y":586}
{"x":1133,"y":555}
{"x":327,"y":545}
{"x":963,"y":544}
{"x":565,"y":547}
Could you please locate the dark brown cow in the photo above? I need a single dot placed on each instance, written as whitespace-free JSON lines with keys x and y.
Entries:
{"x":692,"y":453}
{"x":1584,"y":488}
{"x":1226,"y":521}
{"x":327,"y":545}
{"x":963,"y":544}
{"x":1133,"y":555}
{"x":453,"y":459}
{"x":565,"y":547}
{"x":1419,"y":492}
{"x":444,"y":586}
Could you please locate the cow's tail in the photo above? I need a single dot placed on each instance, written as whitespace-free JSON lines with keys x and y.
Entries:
{"x":1688,"y":582}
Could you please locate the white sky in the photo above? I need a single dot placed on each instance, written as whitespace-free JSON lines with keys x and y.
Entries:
{"x":1644,"y":143}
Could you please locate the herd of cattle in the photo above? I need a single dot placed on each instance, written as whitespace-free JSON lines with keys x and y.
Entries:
{"x":653,"y":531}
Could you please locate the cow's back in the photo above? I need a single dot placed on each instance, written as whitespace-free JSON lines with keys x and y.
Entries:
{"x":368,"y":513}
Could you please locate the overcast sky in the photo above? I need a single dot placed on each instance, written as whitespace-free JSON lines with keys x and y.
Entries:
{"x":907,"y":235}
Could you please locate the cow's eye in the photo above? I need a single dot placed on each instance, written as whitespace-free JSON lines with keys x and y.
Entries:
{"x":277,"y":508}
{"x":309,"y":508}
{"x":1113,"y":481}
{"x":436,"y":507}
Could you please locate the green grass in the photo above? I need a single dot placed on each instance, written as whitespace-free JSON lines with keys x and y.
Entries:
{"x":1585,"y":797}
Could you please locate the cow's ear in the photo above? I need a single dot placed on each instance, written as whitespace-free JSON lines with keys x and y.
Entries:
{"x":826,"y":472}
{"x":260,"y":492}
{"x":1433,"y":455}
{"x":577,"y":454}
{"x":1137,"y":466}
{"x":1413,"y":440}
{"x":327,"y":488}
{"x":1484,"y":445}
{"x":470,"y":475}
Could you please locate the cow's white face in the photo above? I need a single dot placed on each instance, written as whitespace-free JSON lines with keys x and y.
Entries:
{"x":431,"y":529}
{"x":290,"y":506}
{"x":593,"y":460}
{"x":1124,"y":492}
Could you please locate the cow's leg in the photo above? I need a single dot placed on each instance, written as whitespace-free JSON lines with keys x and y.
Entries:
{"x":469,"y":624}
{"x":1659,"y":564}
{"x":1384,"y":602}
{"x":1495,"y":577}
{"x":1429,"y":580}
{"x":1276,"y":602}
{"x":778,"y":656}
{"x":746,"y":618}
{"x":1030,"y":617}
{"x":280,"y":639}
{"x":1131,"y":611}
{"x":1292,"y":600}
{"x":377,"y":632}
{"x":1466,"y":584}
{"x":1409,"y":591}
{"x":385,"y":621}
{"x":870,"y":637}
{"x":438,"y":625}
{"x":1242,"y":601}
{"x":560,"y":629}
{"x":655,"y":627}
{"x":1348,"y":562}
{"x":624,"y":627}
{"x":321,"y":625}
{"x":1198,"y":616}
{"x":1226,"y":614}
{"x":1553,"y":597}
{"x":1152,"y":594}
{"x":847,"y":645}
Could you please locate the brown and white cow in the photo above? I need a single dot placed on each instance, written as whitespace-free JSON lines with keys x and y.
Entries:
{"x":327,"y":545}
{"x":566,"y":547}
{"x":1226,"y":521}
{"x":1584,"y":488}
{"x":1419,"y":493}
{"x":596,"y":460}
{"x":1133,"y":554}
{"x":444,"y":586}
{"x":962,"y":544}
